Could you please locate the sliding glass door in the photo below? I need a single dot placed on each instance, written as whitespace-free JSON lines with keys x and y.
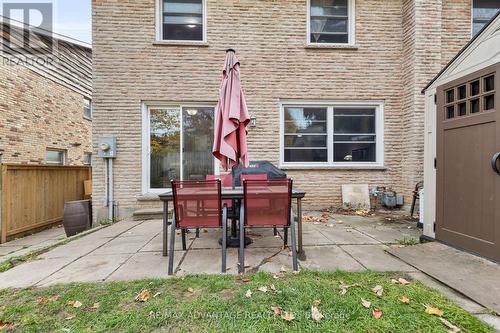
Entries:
{"x":180,"y":144}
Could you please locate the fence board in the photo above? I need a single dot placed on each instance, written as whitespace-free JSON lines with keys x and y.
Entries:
{"x":33,"y":196}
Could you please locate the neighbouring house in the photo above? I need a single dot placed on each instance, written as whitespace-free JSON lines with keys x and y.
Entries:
{"x":333,"y":86}
{"x":45,"y":97}
{"x":462,"y":148}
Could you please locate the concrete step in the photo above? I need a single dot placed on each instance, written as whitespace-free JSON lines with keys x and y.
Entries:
{"x":148,"y":214}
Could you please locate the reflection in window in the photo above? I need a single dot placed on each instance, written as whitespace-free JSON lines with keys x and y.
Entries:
{"x":165,"y":146}
{"x":483,"y":12}
{"x":182,"y":20}
{"x":329,"y":21}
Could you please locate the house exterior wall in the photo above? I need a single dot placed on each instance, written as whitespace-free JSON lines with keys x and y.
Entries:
{"x":37,"y":113}
{"x":399,"y":47}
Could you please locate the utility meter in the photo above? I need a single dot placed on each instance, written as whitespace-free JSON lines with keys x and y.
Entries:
{"x":106,"y":147}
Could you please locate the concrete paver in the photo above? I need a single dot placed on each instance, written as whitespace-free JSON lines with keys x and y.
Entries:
{"x":329,"y":258}
{"x":345,"y":236}
{"x":143,"y":265}
{"x":375,"y":258}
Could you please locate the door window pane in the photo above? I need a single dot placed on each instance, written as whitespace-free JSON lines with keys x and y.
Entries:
{"x":164,"y":147}
{"x":474,"y":88}
{"x":198,"y":132}
{"x":489,"y":83}
{"x":183,"y":20}
{"x":489,"y":102}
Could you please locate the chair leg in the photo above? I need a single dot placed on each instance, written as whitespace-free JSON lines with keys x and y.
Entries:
{"x":224,"y":238}
{"x":183,"y":233}
{"x":241,"y":268}
{"x":275,"y":230}
{"x":294,"y":245}
{"x":285,"y":236}
{"x":197,"y":232}
{"x":172,"y":247}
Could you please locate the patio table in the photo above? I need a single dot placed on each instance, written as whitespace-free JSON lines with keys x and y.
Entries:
{"x":232,"y":194}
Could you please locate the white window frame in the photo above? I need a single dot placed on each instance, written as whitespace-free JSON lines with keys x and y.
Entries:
{"x":63,"y":152}
{"x":146,"y":140}
{"x":159,"y":26}
{"x":90,"y":160}
{"x":91,"y":110}
{"x":330,"y":105}
{"x":351,"y":26}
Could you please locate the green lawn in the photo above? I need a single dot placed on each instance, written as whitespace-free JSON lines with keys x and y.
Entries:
{"x":214,"y":303}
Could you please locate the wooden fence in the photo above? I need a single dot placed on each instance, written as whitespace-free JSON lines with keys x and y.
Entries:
{"x":33,"y":196}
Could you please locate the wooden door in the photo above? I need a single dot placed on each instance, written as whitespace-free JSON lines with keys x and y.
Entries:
{"x":468,"y":187}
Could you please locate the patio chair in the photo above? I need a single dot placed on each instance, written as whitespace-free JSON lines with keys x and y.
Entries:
{"x":277,"y":212}
{"x":197,"y":204}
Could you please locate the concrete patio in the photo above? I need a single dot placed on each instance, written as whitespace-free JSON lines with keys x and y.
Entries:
{"x":132,"y":250}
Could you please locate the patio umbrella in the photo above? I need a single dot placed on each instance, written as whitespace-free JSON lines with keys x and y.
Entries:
{"x":230,"y":141}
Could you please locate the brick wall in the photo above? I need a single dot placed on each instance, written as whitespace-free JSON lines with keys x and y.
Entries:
{"x":35,"y":114}
{"x":390,"y":63}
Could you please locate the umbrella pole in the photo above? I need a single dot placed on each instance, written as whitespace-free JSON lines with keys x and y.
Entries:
{"x":234,"y":235}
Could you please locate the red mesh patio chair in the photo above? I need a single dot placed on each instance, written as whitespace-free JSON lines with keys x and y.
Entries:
{"x":227,"y":181}
{"x":276,"y":213}
{"x":197,"y":204}
{"x":257,"y":176}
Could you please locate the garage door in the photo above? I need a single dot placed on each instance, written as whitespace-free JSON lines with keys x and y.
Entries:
{"x":468,"y":180}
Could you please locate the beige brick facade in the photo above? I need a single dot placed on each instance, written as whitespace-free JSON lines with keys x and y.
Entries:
{"x":37,"y":113}
{"x":400,"y":45}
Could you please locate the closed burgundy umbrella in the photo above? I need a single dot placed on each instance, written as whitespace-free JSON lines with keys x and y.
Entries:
{"x":230,"y":139}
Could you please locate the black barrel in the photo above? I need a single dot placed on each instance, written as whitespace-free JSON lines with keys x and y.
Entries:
{"x":77,"y":217}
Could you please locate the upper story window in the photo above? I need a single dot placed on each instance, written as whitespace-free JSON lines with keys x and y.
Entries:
{"x":87,"y":108}
{"x":331,"y":22}
{"x":482,"y":12}
{"x":182,"y":20}
{"x":332,"y":135}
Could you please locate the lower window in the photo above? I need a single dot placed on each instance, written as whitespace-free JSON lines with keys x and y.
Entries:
{"x":54,"y":156}
{"x":179,"y":141}
{"x":332,"y":135}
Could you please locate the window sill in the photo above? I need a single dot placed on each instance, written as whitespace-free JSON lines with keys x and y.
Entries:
{"x":180,"y":43}
{"x":331,"y":46}
{"x":333,"y":167}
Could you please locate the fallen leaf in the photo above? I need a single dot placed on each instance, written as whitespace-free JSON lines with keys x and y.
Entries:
{"x":75,"y":304}
{"x":53,"y":298}
{"x":276,"y":277}
{"x":344,"y":287}
{"x":405,"y":300}
{"x":4,"y":324}
{"x":366,"y":303}
{"x":276,"y":309}
{"x":433,"y":311}
{"x":317,"y":302}
{"x":378,"y":290}
{"x":94,"y":306}
{"x":191,"y":290}
{"x":282,"y":269}
{"x":288,"y":316}
{"x":315,"y":314}
{"x":42,"y":300}
{"x":143,"y":296}
{"x":70,"y":317}
{"x":394,"y":281}
{"x":453,"y":328}
{"x":377,"y":313}
{"x":403,"y":281}
{"x":273,"y":288}
{"x":245,"y":280}
{"x":157,"y":294}
{"x":248,"y":294}
{"x":263,"y":289}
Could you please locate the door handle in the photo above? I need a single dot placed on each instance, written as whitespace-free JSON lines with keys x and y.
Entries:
{"x":494,"y":162}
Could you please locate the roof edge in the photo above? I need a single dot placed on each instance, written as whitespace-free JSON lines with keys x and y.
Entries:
{"x":47,"y":33}
{"x":464,"y":48}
